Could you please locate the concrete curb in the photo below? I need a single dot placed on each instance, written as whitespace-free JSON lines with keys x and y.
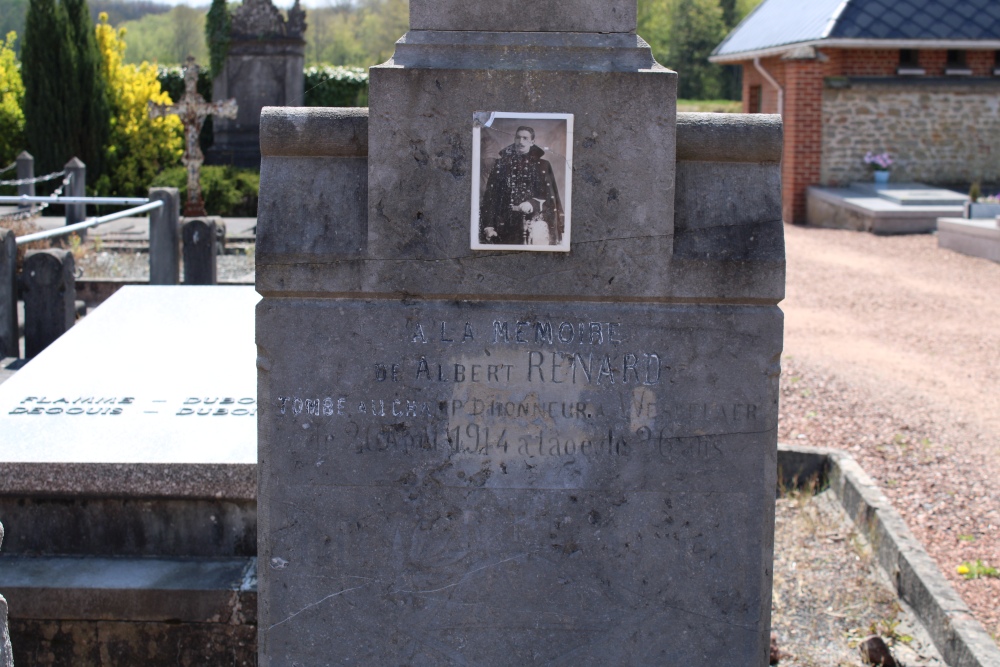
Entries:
{"x":958,"y":636}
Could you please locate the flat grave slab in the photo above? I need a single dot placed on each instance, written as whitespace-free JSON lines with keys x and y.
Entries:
{"x":976,"y":238}
{"x":899,"y":208}
{"x":157,"y":376}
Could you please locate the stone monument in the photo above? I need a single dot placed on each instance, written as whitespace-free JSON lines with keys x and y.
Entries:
{"x":501,"y":457}
{"x":264,"y":67}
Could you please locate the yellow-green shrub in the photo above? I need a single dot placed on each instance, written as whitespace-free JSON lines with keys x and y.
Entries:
{"x":11,"y":101}
{"x":140,"y":146}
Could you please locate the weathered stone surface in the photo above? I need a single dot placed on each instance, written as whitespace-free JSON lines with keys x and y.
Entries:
{"x":9,"y":345}
{"x":257,"y":73}
{"x":6,"y":652}
{"x":49,"y":298}
{"x":499,"y":458}
{"x":200,"y":251}
{"x":164,"y":237}
{"x":48,"y":643}
{"x":314,"y":132}
{"x":511,"y":501}
{"x":419,"y":172}
{"x":524,"y":16}
{"x":601,"y":52}
{"x":312,"y":238}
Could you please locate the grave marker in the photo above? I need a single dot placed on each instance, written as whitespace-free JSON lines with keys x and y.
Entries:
{"x":9,"y":346}
{"x":193,"y":109}
{"x":504,"y":457}
{"x":49,"y":298}
{"x":164,"y":242}
{"x":200,"y":248}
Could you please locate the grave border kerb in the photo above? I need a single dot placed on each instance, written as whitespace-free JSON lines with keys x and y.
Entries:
{"x":957,"y":635}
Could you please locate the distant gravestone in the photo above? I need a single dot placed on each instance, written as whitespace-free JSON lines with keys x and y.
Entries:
{"x":49,"y":298}
{"x":8,"y":295}
{"x":263,"y":67}
{"x":476,"y":449}
{"x":164,"y":241}
{"x":200,"y":248}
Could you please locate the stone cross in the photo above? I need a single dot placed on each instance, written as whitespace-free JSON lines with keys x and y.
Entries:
{"x":193,"y":109}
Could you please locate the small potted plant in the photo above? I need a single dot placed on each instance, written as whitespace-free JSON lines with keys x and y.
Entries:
{"x":880,"y":163}
{"x":979,"y":206}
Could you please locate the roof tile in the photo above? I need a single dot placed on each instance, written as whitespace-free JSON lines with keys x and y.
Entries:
{"x":781,"y":22}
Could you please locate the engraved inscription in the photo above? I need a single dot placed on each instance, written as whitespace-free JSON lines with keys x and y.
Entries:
{"x":530,"y":388}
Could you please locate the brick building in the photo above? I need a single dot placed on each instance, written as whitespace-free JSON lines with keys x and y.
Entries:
{"x":917,"y":78}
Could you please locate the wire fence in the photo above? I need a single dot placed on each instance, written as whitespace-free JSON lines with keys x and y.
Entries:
{"x":8,"y":167}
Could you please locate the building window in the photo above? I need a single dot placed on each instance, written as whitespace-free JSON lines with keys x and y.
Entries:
{"x":996,"y":63}
{"x":909,"y":63}
{"x":955,"y":64}
{"x":755,"y":103}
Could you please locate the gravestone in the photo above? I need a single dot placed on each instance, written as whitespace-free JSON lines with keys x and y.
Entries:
{"x":127,"y":483}
{"x":500,"y":457}
{"x":9,"y":343}
{"x":263,"y":67}
{"x":49,"y":298}
{"x":200,"y":248}
{"x":164,"y":241}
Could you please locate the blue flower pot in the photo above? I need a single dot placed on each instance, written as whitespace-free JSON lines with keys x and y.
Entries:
{"x":881,"y":177}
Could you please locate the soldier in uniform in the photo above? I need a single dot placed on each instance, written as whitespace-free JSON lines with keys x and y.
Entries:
{"x":521,"y":203}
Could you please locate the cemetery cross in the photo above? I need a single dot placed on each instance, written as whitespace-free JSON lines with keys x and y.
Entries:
{"x":193,"y":109}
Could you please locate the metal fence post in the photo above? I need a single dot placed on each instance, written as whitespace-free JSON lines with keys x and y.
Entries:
{"x":8,"y":295}
{"x":49,"y":298}
{"x":164,"y":233}
{"x":25,"y":169}
{"x":200,"y":252}
{"x":77,"y":188}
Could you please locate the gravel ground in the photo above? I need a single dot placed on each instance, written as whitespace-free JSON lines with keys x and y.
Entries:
{"x":829,"y":593}
{"x":892,"y":352}
{"x":135,"y":266}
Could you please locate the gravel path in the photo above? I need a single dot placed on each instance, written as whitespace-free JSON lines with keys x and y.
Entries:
{"x":234,"y":267}
{"x":892,"y":352}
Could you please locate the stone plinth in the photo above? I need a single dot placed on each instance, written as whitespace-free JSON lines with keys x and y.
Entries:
{"x":493,"y":458}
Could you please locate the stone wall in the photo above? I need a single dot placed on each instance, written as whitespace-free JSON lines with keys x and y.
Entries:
{"x":938,"y":131}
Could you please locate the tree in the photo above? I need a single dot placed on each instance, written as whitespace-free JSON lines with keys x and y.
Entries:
{"x":217,"y":30}
{"x":697,"y":30}
{"x":65,"y":100}
{"x":140,"y":147}
{"x":11,"y":100}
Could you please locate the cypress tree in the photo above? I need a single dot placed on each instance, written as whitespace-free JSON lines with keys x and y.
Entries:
{"x":217,"y":35}
{"x":66,"y":107}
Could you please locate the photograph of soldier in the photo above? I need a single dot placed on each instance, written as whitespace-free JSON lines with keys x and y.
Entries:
{"x":523,"y":164}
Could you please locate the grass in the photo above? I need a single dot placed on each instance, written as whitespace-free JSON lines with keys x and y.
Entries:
{"x":716,"y":106}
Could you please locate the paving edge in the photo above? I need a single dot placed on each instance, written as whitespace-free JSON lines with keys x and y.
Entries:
{"x":958,"y":636}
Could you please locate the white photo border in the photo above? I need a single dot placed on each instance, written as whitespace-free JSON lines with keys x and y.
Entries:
{"x":567,"y":196}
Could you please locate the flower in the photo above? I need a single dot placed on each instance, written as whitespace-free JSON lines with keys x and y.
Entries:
{"x":878,"y":161}
{"x":962,"y":569}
